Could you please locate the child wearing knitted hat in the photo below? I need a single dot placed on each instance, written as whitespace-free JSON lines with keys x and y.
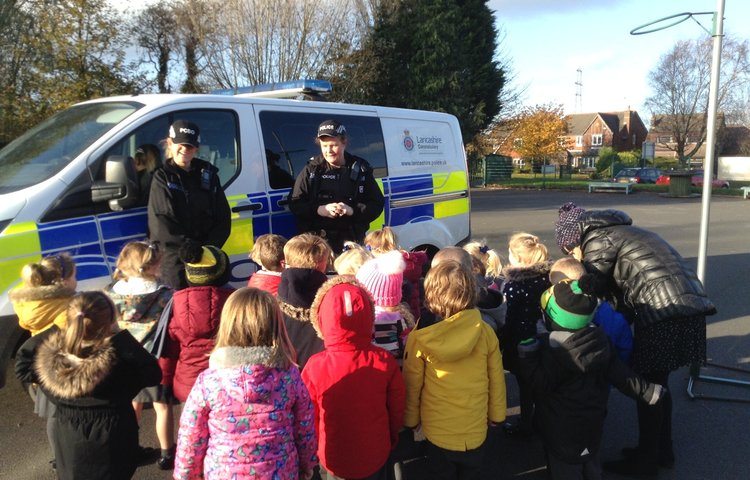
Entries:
{"x":196,"y":313}
{"x":268,"y":252}
{"x":569,"y":370}
{"x":606,"y":317}
{"x":383,"y":277}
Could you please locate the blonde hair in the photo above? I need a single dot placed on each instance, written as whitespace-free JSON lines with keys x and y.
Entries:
{"x":455,"y":254}
{"x":252,"y":318}
{"x":306,"y":250}
{"x":136,"y":260}
{"x":50,"y":270}
{"x":382,"y":241}
{"x":449,"y":288}
{"x":91,"y":316}
{"x":527,"y":249}
{"x":349,"y":262}
{"x":268,"y":251}
{"x":493,"y":263}
{"x":566,"y":268}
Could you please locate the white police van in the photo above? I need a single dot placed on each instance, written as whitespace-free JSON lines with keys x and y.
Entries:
{"x":69,"y":184}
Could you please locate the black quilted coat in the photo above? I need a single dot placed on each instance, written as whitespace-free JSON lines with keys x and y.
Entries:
{"x":651,"y":281}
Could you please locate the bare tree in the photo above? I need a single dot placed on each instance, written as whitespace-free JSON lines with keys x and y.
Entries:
{"x":680,"y":84}
{"x":240,"y":42}
{"x":153,"y":28}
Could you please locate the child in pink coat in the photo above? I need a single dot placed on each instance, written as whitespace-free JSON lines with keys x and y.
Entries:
{"x":249,"y":414}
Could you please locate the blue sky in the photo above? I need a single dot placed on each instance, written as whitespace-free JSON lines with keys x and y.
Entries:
{"x":548,"y":40}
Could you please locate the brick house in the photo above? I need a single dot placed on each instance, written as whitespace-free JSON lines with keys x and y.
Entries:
{"x":663,"y":136}
{"x":589,"y":132}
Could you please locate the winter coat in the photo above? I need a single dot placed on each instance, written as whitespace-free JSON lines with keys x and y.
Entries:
{"x":617,"y":329}
{"x":652,"y":281}
{"x":186,"y":205}
{"x":301,"y":332}
{"x":415,"y":262}
{"x":246,"y":417}
{"x":38,"y":308}
{"x":453,"y":388}
{"x":570,"y":374}
{"x":196,"y":313}
{"x":357,"y":389}
{"x":96,"y":432}
{"x":523,"y":288}
{"x":391,"y":329}
{"x":265,"y":280}
{"x":491,"y":304}
{"x":319,"y":184}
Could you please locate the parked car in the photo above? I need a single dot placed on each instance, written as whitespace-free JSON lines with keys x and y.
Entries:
{"x":696,"y":180}
{"x":637,"y":175}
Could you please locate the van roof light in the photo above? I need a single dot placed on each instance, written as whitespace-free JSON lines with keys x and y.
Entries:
{"x":292,"y":89}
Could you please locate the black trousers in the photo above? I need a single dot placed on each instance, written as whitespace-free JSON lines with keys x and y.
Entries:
{"x":655,"y":423}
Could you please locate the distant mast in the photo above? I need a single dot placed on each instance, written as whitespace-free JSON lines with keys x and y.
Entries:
{"x":579,"y":91}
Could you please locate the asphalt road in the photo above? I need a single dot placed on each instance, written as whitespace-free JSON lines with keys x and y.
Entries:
{"x":711,"y":437}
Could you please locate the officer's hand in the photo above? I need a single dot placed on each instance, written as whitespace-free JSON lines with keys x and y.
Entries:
{"x":345,"y":209}
{"x":330,"y":210}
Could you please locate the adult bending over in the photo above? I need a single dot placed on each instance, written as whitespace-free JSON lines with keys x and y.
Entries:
{"x":661,"y":296}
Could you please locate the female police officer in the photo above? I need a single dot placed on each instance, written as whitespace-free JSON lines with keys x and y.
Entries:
{"x":335,"y":195}
{"x":186,"y":202}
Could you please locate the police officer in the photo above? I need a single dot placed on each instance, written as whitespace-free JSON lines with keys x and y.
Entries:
{"x":335,"y":195}
{"x":186,"y":202}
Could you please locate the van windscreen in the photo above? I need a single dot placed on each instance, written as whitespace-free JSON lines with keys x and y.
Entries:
{"x":47,"y":148}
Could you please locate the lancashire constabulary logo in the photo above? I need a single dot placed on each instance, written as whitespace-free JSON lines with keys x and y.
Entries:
{"x":408,"y":141}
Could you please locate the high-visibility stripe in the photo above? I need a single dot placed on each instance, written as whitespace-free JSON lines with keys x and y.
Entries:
{"x":450,"y":182}
{"x":20,"y":245}
{"x":241,"y":238}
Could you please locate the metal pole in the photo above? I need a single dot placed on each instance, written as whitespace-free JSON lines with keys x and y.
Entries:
{"x":708,"y":166}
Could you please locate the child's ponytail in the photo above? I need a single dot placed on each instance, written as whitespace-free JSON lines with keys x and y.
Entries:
{"x":91,"y":316}
{"x":50,"y":270}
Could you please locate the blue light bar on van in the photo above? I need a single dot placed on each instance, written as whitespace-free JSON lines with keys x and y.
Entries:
{"x":281,"y":89}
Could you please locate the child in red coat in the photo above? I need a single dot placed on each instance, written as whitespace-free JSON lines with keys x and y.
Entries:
{"x":268,"y":252}
{"x":357,"y":388}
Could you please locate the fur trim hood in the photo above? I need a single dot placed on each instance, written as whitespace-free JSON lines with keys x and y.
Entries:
{"x":315,"y":313}
{"x":230,"y":357}
{"x":46,"y":292}
{"x":295,"y":313}
{"x":516,"y":274}
{"x":66,"y":376}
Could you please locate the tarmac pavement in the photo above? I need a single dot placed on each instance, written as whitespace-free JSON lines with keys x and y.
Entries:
{"x":711,"y":437}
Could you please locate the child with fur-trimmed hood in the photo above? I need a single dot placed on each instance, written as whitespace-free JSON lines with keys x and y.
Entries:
{"x":357,"y":388}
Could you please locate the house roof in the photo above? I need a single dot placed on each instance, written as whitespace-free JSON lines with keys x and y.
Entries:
{"x":578,"y":123}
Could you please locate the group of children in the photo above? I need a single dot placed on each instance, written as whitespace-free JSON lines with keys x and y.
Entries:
{"x":306,"y":373}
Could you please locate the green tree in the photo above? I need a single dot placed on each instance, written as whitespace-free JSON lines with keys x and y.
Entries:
{"x":607,"y":156}
{"x":67,"y":51}
{"x":431,"y":55}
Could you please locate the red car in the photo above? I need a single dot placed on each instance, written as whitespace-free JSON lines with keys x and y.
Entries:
{"x":696,"y":180}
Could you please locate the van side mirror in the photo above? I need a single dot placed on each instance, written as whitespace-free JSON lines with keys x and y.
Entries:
{"x":120,"y":186}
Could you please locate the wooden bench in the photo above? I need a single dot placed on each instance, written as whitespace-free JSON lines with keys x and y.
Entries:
{"x":745,"y":192}
{"x":594,"y":186}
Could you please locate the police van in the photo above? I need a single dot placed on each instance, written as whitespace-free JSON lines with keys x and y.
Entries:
{"x":69,"y":185}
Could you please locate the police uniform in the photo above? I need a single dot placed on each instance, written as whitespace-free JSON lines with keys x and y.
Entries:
{"x":186,"y":205}
{"x":320,"y":183}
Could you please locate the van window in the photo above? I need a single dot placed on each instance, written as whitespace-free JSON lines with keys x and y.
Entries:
{"x":219,"y":146}
{"x":47,"y":148}
{"x":289,"y":141}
